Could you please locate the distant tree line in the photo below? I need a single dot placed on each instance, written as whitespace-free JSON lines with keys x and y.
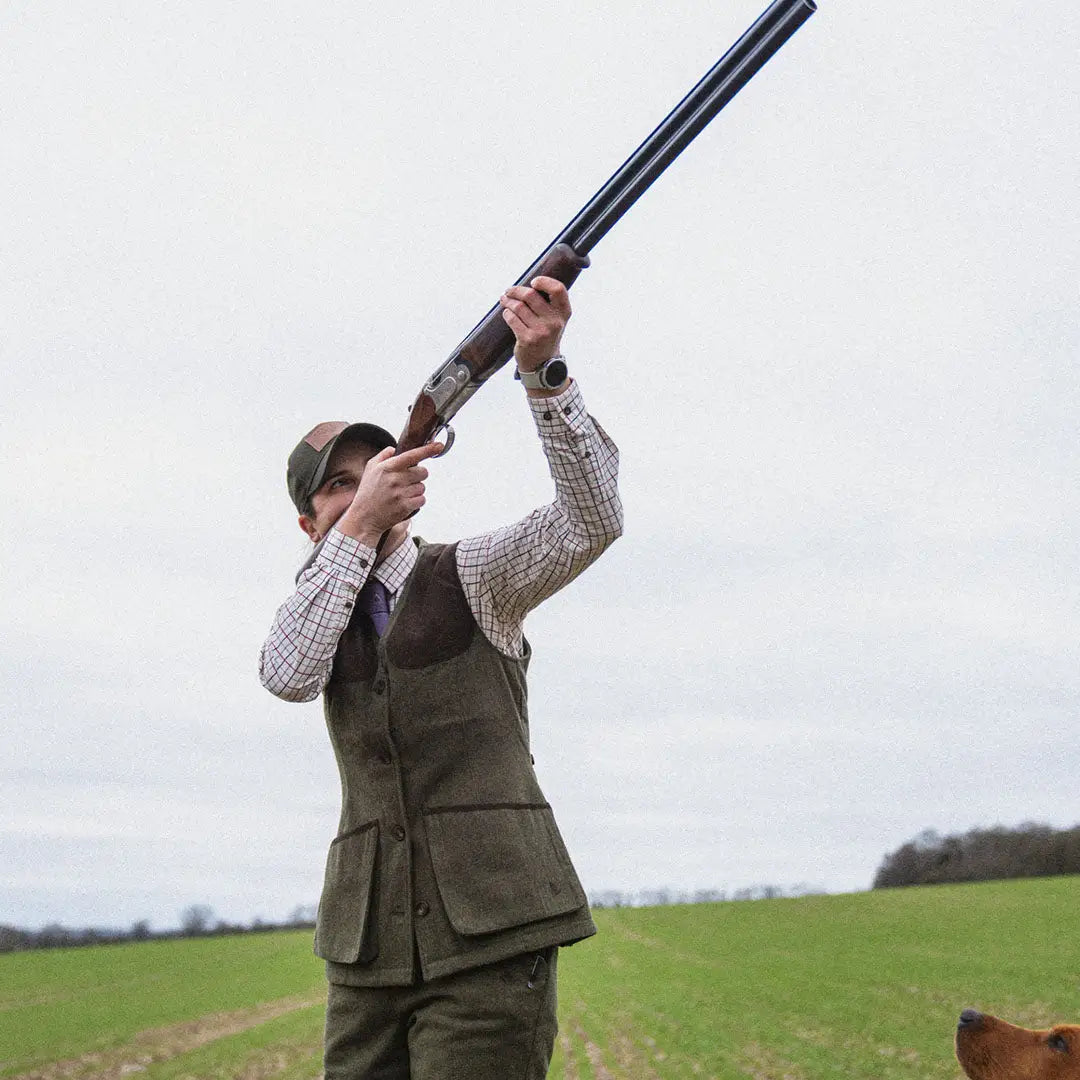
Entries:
{"x":198,"y":920}
{"x":615,"y":898}
{"x":1028,"y":850}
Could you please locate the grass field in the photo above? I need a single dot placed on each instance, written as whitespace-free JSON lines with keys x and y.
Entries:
{"x":867,"y":985}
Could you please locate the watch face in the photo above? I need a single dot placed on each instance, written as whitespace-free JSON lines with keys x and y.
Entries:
{"x":553,"y":373}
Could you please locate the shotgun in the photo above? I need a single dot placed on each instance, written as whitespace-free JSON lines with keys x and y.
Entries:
{"x":490,"y":344}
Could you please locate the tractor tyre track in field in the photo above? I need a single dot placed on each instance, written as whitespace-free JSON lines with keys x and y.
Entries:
{"x":594,"y":1053}
{"x":162,"y":1043}
{"x":761,"y":1063}
{"x":632,"y":1058}
{"x":627,"y":1056}
{"x":570,"y":1071}
{"x":683,"y":956}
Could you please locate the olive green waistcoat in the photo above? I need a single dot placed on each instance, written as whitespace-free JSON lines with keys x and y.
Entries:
{"x":447,"y":851}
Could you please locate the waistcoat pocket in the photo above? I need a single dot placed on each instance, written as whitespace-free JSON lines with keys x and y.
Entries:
{"x":346,"y":896}
{"x":500,"y":866}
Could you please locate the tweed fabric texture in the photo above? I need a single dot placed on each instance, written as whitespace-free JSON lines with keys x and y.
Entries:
{"x":447,"y":850}
{"x":496,"y":1022}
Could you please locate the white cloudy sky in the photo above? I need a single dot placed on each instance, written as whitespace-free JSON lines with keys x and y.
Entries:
{"x":836,"y":343}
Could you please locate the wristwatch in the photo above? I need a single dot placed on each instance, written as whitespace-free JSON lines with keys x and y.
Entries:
{"x":550,"y":375}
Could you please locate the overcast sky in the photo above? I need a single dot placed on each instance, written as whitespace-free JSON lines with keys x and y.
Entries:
{"x":836,"y":344}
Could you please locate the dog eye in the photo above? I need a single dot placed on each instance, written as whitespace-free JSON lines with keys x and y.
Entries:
{"x":1059,"y":1043}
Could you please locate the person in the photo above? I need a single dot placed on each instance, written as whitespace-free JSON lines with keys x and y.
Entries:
{"x":448,"y":888}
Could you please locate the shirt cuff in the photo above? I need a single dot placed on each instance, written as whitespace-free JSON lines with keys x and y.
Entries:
{"x":346,"y":559}
{"x":555,"y":415}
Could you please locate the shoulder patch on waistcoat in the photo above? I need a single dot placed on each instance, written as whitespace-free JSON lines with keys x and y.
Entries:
{"x":435,"y":623}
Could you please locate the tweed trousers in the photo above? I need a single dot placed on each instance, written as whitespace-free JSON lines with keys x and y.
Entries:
{"x":495,"y":1022}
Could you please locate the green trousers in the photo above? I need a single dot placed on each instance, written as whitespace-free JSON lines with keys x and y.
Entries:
{"x":495,"y":1022}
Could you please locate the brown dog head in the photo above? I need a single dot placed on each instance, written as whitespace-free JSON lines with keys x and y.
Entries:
{"x":990,"y":1049}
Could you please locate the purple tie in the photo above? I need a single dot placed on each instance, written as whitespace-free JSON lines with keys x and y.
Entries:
{"x":375,"y":600}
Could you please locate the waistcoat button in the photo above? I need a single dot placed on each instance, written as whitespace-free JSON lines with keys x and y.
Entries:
{"x":399,"y":833}
{"x":422,"y":909}
{"x":379,"y":685}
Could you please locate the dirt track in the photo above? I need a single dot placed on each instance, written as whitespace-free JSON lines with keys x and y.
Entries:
{"x":162,"y":1043}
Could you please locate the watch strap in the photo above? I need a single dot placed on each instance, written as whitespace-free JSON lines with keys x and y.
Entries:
{"x":534,"y":380}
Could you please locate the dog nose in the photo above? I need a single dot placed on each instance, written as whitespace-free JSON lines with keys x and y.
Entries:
{"x":969,"y":1018}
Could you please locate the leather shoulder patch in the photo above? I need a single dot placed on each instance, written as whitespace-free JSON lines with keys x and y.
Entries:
{"x":435,"y":623}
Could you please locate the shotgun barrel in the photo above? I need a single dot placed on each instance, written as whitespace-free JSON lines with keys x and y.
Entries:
{"x":490,"y":343}
{"x":685,"y":122}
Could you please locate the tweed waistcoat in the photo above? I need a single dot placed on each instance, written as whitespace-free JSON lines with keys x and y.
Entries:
{"x":447,"y":852}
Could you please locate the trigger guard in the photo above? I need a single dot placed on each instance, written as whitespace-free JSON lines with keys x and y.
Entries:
{"x":449,"y":432}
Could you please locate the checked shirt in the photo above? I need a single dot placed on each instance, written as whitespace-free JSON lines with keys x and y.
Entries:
{"x":505,"y":573}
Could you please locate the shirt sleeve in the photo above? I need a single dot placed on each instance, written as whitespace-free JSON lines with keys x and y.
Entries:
{"x":297,"y":657}
{"x":507,"y":573}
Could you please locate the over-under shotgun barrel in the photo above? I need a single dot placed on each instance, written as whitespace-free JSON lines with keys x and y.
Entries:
{"x":685,"y":122}
{"x":491,"y":343}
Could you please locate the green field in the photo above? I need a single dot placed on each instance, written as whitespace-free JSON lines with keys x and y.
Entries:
{"x":867,"y":985}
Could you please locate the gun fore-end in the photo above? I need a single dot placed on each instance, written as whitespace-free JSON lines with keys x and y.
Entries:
{"x":561,"y":262}
{"x":491,"y":343}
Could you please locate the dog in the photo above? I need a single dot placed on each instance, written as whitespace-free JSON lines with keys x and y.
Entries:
{"x":990,"y":1049}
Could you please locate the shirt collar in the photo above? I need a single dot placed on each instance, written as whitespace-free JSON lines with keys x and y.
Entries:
{"x":397,"y":566}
